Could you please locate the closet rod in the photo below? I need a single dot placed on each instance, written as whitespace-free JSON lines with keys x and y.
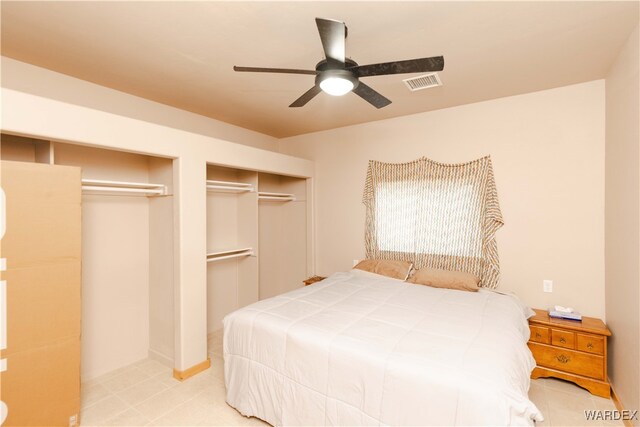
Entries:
{"x":230,"y":188}
{"x":230,"y":251}
{"x":213,"y":185}
{"x":266,"y":193}
{"x":281,"y":199}
{"x":229,"y":256}
{"x":141,"y":188}
{"x":124,"y":190}
{"x":229,"y":183}
{"x":232,"y":255}
{"x":123,"y":184}
{"x":284,"y":197}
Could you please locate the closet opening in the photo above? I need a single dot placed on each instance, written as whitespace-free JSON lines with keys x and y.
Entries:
{"x":257,"y":235}
{"x":232,"y":245}
{"x":127,"y":252}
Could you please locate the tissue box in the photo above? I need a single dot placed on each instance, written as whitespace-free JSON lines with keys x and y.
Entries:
{"x":564,"y":315}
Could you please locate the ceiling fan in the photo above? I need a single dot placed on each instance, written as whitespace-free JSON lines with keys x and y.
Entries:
{"x":338,"y":75}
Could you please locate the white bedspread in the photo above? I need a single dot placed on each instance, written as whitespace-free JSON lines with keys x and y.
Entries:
{"x":362,"y":349}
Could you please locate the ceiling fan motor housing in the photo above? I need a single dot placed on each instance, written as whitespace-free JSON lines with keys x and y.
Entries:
{"x":333,"y":69}
{"x":339,"y":74}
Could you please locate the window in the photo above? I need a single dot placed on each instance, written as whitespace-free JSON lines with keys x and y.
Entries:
{"x":435,"y":219}
{"x":434,"y":215}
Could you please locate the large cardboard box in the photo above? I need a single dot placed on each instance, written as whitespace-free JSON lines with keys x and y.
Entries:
{"x":41,"y":245}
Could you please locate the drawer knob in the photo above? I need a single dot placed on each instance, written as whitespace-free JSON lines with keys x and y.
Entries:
{"x":562,"y":340}
{"x":563,"y":359}
{"x":589,"y":345}
{"x":538,"y":335}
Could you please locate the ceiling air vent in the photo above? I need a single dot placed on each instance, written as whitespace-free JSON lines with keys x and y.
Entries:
{"x":423,"y":82}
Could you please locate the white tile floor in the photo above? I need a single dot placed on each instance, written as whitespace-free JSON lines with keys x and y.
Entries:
{"x":146,"y":394}
{"x":563,"y":403}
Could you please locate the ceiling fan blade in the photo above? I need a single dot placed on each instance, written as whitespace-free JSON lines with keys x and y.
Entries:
{"x":274,"y":70}
{"x":333,"y":35}
{"x":420,"y":65}
{"x":306,"y":97}
{"x":371,"y":96}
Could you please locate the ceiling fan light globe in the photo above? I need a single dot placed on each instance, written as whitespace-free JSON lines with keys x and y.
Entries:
{"x":336,"y":86}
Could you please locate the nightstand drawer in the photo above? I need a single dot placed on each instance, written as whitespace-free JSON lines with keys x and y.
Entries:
{"x":539,"y":334}
{"x":574,"y":362}
{"x":590,"y":343}
{"x":561,"y":338}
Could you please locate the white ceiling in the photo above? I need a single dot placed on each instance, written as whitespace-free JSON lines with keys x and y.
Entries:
{"x":182,"y":53}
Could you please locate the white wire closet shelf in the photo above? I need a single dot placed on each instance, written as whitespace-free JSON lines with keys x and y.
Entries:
{"x":276,"y":197}
{"x":232,"y":253}
{"x":123,"y":187}
{"x":229,"y":186}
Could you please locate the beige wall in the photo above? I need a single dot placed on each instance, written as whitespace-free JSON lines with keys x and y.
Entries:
{"x":622,"y":227}
{"x":548,"y":156}
{"x":28,"y":78}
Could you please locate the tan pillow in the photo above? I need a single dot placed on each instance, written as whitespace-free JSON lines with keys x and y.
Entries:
{"x":394,"y":269}
{"x":445,"y":279}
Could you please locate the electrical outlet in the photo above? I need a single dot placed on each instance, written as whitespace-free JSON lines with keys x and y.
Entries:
{"x":73,"y":420}
{"x":547,"y":285}
{"x":355,"y":262}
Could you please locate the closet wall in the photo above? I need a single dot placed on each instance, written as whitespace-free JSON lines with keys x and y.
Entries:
{"x":282,"y":235}
{"x":115,"y":261}
{"x":127,"y":254}
{"x":162,"y":254}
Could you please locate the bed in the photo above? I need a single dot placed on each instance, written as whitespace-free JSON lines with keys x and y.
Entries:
{"x":362,"y":349}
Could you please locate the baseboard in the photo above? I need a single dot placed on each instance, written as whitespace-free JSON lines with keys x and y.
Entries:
{"x":165,"y":360}
{"x":619,"y":407}
{"x":195,"y":369}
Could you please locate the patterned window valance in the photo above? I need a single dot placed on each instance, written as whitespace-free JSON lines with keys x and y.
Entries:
{"x":436,"y":215}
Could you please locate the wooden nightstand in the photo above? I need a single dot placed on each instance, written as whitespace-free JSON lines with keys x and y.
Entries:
{"x":313,"y":279}
{"x":571,"y":350}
